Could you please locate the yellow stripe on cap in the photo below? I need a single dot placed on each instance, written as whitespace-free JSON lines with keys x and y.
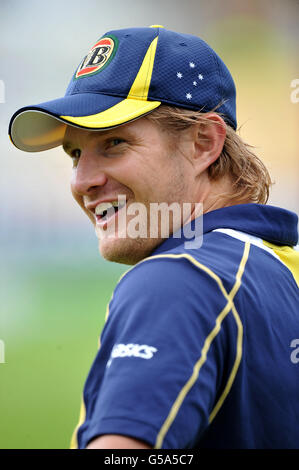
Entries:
{"x":125,"y":111}
{"x":134,"y":106}
{"x":143,"y":78}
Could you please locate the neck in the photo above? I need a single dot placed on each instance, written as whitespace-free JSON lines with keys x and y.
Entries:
{"x":217,"y":194}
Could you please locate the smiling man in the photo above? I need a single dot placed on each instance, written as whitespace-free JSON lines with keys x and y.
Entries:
{"x":140,"y":162}
{"x":196,"y":348}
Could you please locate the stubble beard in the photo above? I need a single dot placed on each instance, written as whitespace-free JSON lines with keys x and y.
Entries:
{"x":128,"y":250}
{"x":133,"y":250}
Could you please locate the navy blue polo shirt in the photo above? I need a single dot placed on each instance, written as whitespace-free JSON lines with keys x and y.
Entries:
{"x":199,"y":347}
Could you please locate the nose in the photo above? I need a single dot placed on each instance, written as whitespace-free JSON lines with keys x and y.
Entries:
{"x":87,"y":175}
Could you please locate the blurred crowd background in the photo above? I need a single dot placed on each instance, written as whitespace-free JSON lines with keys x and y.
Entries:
{"x":54,"y":287}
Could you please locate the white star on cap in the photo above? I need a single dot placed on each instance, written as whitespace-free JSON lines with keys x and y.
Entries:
{"x":179,"y":75}
{"x":195,"y":83}
{"x":188,"y":96}
{"x":192,"y":65}
{"x":200,"y":76}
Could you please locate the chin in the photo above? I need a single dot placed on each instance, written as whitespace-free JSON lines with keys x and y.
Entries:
{"x":125,"y":250}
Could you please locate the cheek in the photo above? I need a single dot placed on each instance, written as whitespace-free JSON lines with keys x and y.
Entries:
{"x":150,"y":178}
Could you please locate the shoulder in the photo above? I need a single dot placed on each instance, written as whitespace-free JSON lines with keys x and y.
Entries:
{"x":171,"y":282}
{"x":168,"y":271}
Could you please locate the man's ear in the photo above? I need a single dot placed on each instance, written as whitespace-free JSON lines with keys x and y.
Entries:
{"x":208,"y":141}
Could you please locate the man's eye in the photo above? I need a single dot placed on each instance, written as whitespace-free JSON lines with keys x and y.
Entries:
{"x":114,"y":142}
{"x":76,"y":153}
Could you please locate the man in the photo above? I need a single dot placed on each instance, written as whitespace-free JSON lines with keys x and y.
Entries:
{"x":196,"y":349}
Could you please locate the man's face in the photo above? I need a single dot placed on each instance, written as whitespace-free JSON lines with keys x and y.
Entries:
{"x":137,"y":161}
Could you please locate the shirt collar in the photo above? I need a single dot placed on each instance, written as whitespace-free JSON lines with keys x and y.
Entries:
{"x":276,"y":225}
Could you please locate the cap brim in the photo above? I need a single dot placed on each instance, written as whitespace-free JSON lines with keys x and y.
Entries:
{"x":42,"y":127}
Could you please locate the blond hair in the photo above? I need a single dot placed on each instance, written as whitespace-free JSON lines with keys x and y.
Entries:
{"x":250,"y":178}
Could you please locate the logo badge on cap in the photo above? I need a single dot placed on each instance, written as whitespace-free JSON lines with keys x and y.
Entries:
{"x":98,"y":57}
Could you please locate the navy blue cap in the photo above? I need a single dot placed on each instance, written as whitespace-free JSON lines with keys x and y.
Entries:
{"x":127,"y":74}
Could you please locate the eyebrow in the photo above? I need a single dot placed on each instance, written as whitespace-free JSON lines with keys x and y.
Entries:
{"x":66,"y":145}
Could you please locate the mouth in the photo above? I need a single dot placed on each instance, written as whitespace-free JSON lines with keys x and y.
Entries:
{"x":105,"y":212}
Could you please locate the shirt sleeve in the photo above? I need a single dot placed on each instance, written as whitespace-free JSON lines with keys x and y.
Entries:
{"x":165,"y":355}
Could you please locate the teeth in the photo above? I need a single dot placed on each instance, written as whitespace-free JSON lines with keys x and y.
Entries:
{"x":104,"y":206}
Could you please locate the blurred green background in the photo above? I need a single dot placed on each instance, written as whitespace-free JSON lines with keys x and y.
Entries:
{"x":54,"y":286}
{"x":53,"y":316}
